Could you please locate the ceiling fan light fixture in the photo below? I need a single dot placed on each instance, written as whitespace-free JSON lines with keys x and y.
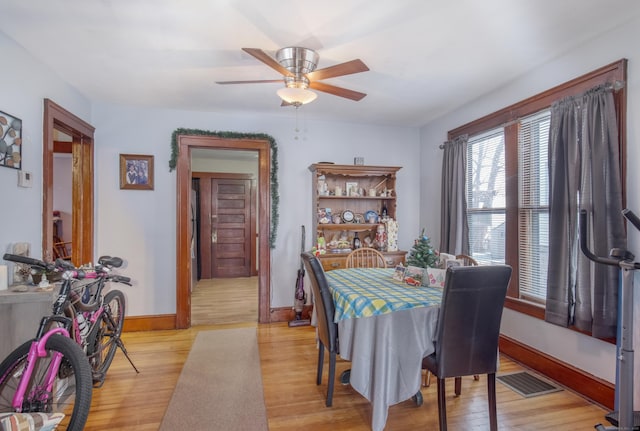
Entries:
{"x":296,"y":96}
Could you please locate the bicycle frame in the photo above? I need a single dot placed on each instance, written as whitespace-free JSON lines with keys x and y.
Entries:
{"x":102,"y":332}
{"x":89,"y":313}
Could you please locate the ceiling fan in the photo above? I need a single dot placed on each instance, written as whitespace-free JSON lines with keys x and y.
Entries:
{"x":298,"y":67}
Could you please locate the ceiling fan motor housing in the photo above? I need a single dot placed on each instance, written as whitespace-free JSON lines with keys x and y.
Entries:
{"x":297,"y":60}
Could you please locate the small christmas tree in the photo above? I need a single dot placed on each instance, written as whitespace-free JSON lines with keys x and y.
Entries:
{"x":422,"y":254}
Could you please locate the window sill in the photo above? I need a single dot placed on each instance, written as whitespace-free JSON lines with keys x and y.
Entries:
{"x":537,"y":310}
{"x":525,"y":307}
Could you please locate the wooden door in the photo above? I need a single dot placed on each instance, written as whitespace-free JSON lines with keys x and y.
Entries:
{"x":231,"y":227}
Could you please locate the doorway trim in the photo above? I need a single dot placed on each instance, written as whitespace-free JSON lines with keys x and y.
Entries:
{"x":183,"y":193}
{"x":56,"y":117}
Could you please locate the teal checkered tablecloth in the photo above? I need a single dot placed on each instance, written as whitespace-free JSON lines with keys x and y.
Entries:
{"x":364,"y":292}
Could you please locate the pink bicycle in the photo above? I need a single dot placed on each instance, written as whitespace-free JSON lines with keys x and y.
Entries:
{"x":50,"y":373}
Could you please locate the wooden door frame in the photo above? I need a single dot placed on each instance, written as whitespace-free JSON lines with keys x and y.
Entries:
{"x":206,"y":235}
{"x":183,"y":195}
{"x":82,"y":133}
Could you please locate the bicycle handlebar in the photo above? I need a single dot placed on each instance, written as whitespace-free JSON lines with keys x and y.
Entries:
{"x":29,"y":261}
{"x":634,"y":219}
{"x":121,"y":279}
{"x":102,"y":269}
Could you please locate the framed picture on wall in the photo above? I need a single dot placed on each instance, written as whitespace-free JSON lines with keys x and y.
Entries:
{"x":136,"y":172}
{"x":10,"y":141}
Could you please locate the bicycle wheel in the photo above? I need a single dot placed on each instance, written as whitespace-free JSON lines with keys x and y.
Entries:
{"x":102,"y":341}
{"x":72,"y":389}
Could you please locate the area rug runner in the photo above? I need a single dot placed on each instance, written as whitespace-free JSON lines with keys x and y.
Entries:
{"x":220,"y":387}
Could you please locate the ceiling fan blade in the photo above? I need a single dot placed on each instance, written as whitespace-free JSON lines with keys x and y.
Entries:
{"x":336,"y":91}
{"x":259,"y":81}
{"x":353,"y":66}
{"x":268,"y":60}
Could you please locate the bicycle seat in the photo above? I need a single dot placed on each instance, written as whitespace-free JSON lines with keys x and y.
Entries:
{"x":113,"y":262}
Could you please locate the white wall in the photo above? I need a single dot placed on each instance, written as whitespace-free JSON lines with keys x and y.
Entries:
{"x":140,"y":225}
{"x":591,"y":355}
{"x":26,"y":83}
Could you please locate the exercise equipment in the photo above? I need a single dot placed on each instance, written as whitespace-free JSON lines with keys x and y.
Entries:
{"x":623,"y":418}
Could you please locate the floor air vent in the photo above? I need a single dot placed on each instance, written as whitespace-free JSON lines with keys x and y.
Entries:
{"x":527,"y":384}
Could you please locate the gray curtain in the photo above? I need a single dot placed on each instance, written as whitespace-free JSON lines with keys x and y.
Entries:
{"x":454,"y":229}
{"x":584,"y":173}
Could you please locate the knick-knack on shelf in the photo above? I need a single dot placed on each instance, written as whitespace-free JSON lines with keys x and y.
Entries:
{"x":356,"y":241}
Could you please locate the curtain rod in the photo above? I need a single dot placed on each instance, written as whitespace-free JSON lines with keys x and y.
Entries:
{"x":616,"y":86}
{"x":464,"y":137}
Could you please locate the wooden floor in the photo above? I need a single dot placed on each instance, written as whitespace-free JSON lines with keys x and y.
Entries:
{"x":224,"y":300}
{"x":130,"y":401}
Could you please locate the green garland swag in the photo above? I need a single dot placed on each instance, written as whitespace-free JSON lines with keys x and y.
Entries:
{"x":275,"y":198}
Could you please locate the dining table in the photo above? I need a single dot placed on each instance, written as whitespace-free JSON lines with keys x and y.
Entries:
{"x":385,"y":328}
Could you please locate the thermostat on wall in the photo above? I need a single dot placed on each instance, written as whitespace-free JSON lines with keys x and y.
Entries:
{"x":25,"y":179}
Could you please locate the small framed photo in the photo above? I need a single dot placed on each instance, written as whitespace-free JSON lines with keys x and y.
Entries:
{"x":351,"y":189}
{"x":324,"y":215}
{"x":10,"y":141}
{"x":136,"y":172}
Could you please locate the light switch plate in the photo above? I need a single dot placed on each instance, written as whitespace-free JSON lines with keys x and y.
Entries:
{"x":25,"y":179}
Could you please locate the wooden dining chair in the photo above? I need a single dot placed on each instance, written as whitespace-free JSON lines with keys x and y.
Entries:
{"x":327,"y":328}
{"x":467,"y":260}
{"x":365,"y":257}
{"x":468,"y":330}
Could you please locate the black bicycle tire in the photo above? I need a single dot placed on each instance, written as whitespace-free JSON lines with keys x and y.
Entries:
{"x":75,"y":357}
{"x":100,"y":364}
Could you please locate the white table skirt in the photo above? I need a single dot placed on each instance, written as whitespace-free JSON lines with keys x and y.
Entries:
{"x":386,"y":354}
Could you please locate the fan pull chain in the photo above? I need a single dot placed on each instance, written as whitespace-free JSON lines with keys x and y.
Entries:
{"x":297,"y":129}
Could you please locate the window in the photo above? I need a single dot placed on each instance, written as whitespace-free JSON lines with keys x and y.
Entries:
{"x":486,"y":201}
{"x":486,"y":197}
{"x":507,"y":185}
{"x":533,"y":205}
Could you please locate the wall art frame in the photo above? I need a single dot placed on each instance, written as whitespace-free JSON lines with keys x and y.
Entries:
{"x":10,"y":141}
{"x":136,"y":172}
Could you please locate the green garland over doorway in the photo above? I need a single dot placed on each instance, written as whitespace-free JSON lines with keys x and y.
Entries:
{"x":275,"y":198}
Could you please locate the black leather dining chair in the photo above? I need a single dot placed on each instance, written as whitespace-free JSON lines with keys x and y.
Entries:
{"x":466,"y":261}
{"x":468,"y":330}
{"x":327,"y":328}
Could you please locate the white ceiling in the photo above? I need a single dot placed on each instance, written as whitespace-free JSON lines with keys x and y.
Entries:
{"x":425,"y":57}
